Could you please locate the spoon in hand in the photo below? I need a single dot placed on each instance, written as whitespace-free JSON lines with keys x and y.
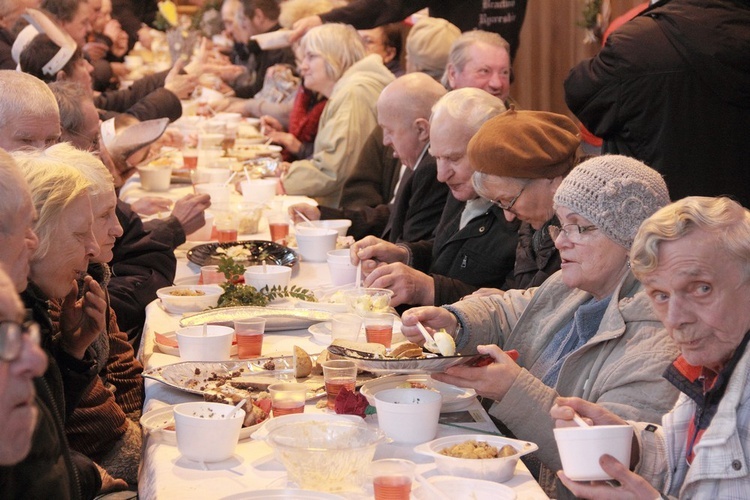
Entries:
{"x":429,"y":342}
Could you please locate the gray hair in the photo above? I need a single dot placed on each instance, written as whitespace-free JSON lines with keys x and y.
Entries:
{"x":23,"y":94}
{"x":339,"y":45}
{"x":14,"y":190}
{"x":54,"y":186}
{"x":471,"y":106}
{"x":722,"y":217}
{"x":70,"y":96}
{"x":459,"y":54}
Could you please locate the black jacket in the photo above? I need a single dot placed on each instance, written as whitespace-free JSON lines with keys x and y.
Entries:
{"x":143,"y":262}
{"x":413,"y":215}
{"x":461,"y":261}
{"x":146,"y":99}
{"x":504,"y":17}
{"x":536,"y":257}
{"x":257,"y":62}
{"x":672,"y":89}
{"x":51,"y":469}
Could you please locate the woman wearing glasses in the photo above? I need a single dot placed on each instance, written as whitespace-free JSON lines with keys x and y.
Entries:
{"x":586,"y":331}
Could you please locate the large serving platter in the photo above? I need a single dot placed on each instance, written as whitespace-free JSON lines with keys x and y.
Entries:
{"x":277,"y":319}
{"x":431,"y":364}
{"x":201,"y":377}
{"x":260,"y":251}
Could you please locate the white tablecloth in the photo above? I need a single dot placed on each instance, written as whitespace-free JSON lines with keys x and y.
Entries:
{"x":165,"y":474}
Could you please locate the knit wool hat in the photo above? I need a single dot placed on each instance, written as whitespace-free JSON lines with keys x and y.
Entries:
{"x":525,"y":144}
{"x":615,"y":193}
{"x":429,"y":43}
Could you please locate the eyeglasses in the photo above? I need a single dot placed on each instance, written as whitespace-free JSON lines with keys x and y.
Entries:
{"x":11,"y":338}
{"x":572,"y":231}
{"x":508,"y":207}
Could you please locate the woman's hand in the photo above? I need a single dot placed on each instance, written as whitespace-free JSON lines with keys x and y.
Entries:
{"x":632,"y":486}
{"x":268,"y":124}
{"x":490,"y":381}
{"x":82,"y":320}
{"x":310,"y":211}
{"x":431,"y":317}
{"x":285,"y":140}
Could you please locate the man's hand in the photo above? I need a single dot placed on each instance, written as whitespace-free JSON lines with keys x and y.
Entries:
{"x":564,"y":409}
{"x":632,"y":486}
{"x":180,"y":85}
{"x":310,"y":211}
{"x":109,"y":483}
{"x":150,"y":205}
{"x":409,"y":286}
{"x":303,"y":26}
{"x":491,"y":381}
{"x":372,"y":252}
{"x":82,"y":320}
{"x":95,"y":51}
{"x":190,"y":211}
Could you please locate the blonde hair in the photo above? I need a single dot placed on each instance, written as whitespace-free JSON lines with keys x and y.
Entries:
{"x":339,"y":45}
{"x":87,"y":163}
{"x":726,"y":219}
{"x":54,"y":185}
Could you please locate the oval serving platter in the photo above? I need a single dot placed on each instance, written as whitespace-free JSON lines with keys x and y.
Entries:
{"x":260,"y":251}
{"x":276,"y":319}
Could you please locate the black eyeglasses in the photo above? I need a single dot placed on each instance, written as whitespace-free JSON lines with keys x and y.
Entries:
{"x":509,"y":206}
{"x":11,"y":338}
{"x":572,"y":231}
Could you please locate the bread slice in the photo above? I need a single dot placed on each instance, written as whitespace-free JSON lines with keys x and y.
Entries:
{"x":302,"y":363}
{"x":407,"y":350}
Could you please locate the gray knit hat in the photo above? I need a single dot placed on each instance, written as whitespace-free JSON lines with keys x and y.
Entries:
{"x":616,"y":193}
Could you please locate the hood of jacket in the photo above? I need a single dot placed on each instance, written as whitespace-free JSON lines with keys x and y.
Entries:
{"x":368,"y":72}
{"x":713,"y":38}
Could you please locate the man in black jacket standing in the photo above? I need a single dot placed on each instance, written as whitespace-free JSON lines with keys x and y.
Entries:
{"x":672,"y":89}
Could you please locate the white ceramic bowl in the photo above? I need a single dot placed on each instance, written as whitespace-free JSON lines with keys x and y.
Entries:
{"x":178,"y":304}
{"x":215,"y":346}
{"x":259,"y":190}
{"x":156,"y":178}
{"x":273,"y":276}
{"x":326,"y":456}
{"x":408,"y":415}
{"x":314,"y":243}
{"x":489,"y":469}
{"x":581,"y":447}
{"x":340,"y":225}
{"x":204,"y":434}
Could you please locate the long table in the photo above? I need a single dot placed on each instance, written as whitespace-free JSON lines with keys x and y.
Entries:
{"x":165,"y":474}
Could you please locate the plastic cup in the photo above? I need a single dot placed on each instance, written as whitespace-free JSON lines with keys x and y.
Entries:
{"x":287,"y":398}
{"x":209,"y":141}
{"x":341,"y":256}
{"x":342,"y":273}
{"x":211,"y":343}
{"x":208,"y":156}
{"x":205,"y":232}
{"x":190,"y":158}
{"x":227,"y":225}
{"x":379,"y":328}
{"x":219,"y":193}
{"x":211,"y":275}
{"x":581,"y":448}
{"x":337,"y":375}
{"x":249,"y":334}
{"x":392,"y":478}
{"x":278,"y":225}
{"x":345,"y":326}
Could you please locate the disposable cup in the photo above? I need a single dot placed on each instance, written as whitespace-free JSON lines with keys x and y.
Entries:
{"x":337,"y":375}
{"x":315,"y":243}
{"x":287,"y":398}
{"x":155,"y":178}
{"x":259,"y":190}
{"x":379,"y":328}
{"x":346,"y":326}
{"x":408,"y":415}
{"x":249,"y":334}
{"x":581,"y":447}
{"x":392,"y":478}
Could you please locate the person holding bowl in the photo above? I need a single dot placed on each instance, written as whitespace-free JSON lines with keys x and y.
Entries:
{"x":584,"y":332}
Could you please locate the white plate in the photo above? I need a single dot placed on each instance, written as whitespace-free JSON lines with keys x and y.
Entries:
{"x":165,"y":414}
{"x":321,"y":333}
{"x":457,"y":487}
{"x":330,"y":307}
{"x":454,"y":398}
{"x":175,"y":351}
{"x":276,"y":319}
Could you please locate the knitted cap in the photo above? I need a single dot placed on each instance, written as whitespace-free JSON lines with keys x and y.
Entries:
{"x":429,"y":43}
{"x":615,"y":193}
{"x":525,"y":144}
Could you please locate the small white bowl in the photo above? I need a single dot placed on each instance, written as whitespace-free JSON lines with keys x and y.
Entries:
{"x":155,"y":179}
{"x":178,"y":304}
{"x":581,"y":447}
{"x":340,"y":225}
{"x":490,"y":469}
{"x":259,"y":190}
{"x":214,"y":346}
{"x":314,"y":243}
{"x":273,"y":276}
{"x":341,"y":256}
{"x":408,"y":415}
{"x":204,"y":434}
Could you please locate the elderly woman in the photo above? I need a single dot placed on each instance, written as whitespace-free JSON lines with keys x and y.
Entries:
{"x":59,"y":194}
{"x":519,"y":160}
{"x":99,"y":426}
{"x":587,"y":331}
{"x":335,"y":65}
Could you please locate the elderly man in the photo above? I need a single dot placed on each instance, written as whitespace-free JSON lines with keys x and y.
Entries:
{"x":21,"y":359}
{"x":482,"y":60}
{"x":28,"y":112}
{"x":474,"y":245}
{"x":692,"y":258}
{"x":403,"y":113}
